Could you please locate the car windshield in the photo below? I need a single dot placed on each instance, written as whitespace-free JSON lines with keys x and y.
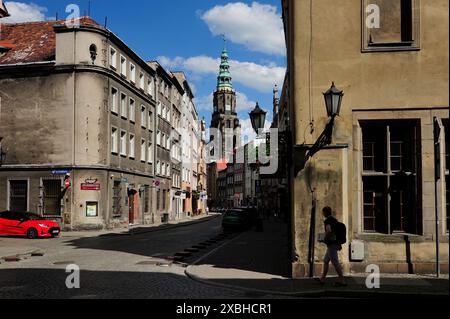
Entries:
{"x":235,"y":213}
{"x":31,"y":216}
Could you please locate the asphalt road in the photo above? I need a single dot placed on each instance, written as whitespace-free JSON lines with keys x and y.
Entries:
{"x":117,"y":266}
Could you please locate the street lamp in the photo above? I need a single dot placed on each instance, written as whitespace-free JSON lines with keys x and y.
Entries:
{"x":2,"y":153}
{"x":258,"y":118}
{"x":333,"y":101}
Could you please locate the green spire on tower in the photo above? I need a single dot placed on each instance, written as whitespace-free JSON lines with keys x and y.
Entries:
{"x":224,"y":78}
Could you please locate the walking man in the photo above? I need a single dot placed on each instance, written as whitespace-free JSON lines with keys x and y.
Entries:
{"x":335,"y":237}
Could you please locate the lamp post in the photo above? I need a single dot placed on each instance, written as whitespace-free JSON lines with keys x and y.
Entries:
{"x":333,"y":102}
{"x":258,"y":119}
{"x":2,"y":153}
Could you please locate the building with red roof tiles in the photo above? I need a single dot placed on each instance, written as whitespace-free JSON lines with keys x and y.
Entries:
{"x":78,"y":105}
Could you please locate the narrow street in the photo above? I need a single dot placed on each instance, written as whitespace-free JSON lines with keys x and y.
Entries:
{"x":112,"y":266}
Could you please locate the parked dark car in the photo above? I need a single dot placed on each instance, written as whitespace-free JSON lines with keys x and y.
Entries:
{"x":252,"y":212}
{"x":236,"y":219}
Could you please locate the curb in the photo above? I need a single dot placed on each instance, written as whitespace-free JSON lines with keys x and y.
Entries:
{"x":319,"y":293}
{"x":152,"y":229}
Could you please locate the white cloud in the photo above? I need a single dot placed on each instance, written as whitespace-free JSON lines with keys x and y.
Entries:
{"x":24,"y":12}
{"x":259,"y":27}
{"x":256,"y":76}
{"x":205,"y":103}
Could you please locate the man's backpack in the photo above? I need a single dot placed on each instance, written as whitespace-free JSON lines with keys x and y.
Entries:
{"x":341,"y":233}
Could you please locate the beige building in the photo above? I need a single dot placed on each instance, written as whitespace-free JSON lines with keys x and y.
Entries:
{"x":77,"y":105}
{"x":378,"y":174}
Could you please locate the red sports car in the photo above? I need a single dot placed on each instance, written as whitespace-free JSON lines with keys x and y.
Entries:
{"x":27,"y":224}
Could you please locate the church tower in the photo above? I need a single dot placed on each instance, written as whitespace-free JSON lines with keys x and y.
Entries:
{"x":224,"y":117}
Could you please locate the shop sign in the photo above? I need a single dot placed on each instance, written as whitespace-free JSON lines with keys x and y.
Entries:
{"x":90,"y":187}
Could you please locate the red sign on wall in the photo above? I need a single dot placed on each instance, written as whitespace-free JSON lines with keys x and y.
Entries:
{"x":90,"y":187}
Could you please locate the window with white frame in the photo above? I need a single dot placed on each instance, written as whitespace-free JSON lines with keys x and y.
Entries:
{"x":143,"y":150}
{"x":150,"y":88}
{"x":158,"y":109}
{"x":163,"y":140}
{"x":132,"y":145}
{"x":158,"y":167}
{"x":163,"y":167}
{"x":113,"y":57}
{"x":123,"y":66}
{"x":132,"y":111}
{"x":132,"y":73}
{"x":114,"y":140}
{"x":123,"y":105}
{"x":123,"y":143}
{"x":168,"y":143}
{"x":143,"y":116}
{"x":158,"y":138}
{"x":150,"y":152}
{"x":168,"y":169}
{"x":150,"y":119}
{"x":114,"y":100}
{"x":142,"y":81}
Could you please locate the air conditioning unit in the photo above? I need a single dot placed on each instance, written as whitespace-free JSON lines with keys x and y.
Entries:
{"x":357,"y":250}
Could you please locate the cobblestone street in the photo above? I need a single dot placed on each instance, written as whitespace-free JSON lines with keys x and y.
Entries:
{"x":112,"y":266}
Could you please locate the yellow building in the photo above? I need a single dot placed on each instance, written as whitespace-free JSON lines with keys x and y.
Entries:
{"x":390,"y":57}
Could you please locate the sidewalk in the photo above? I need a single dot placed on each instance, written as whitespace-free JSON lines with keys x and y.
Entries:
{"x":259,"y":263}
{"x":141,"y":229}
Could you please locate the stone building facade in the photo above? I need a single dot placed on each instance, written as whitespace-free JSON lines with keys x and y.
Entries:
{"x":86,"y":125}
{"x":379,"y":172}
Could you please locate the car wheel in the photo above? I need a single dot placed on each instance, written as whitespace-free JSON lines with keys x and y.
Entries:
{"x":32,"y":233}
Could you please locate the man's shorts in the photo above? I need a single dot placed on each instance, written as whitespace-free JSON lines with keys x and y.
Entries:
{"x":332,"y":254}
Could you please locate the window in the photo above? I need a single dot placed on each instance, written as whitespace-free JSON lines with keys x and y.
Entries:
{"x":113,"y":58}
{"x":117,"y":199}
{"x":142,"y":81}
{"x":391,"y":25}
{"x":18,"y":195}
{"x":158,"y":167}
{"x":168,"y":143}
{"x":158,"y":138}
{"x":114,"y":140}
{"x":150,"y":88}
{"x":228,"y":108}
{"x":158,"y":200}
{"x":146,"y":199}
{"x":150,"y":120}
{"x":123,"y":105}
{"x":391,"y":171}
{"x":132,"y":146}
{"x":114,"y":102}
{"x":143,"y":117}
{"x":143,"y":150}
{"x":163,"y":167}
{"x":51,"y":197}
{"x":123,"y":66}
{"x":158,"y":108}
{"x":168,"y":169}
{"x":132,"y":73}
{"x":123,"y":143}
{"x":150,"y":152}
{"x":132,"y":111}
{"x":164,"y":194}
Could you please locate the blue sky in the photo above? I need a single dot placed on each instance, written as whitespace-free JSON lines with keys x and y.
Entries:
{"x":186,"y":36}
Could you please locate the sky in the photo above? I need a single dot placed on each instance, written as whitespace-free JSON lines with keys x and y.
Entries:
{"x":186,"y":35}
